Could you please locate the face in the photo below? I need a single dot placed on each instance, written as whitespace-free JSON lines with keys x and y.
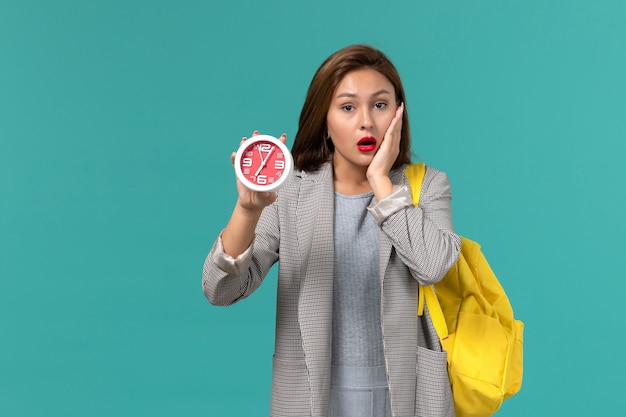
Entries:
{"x":361,"y":110}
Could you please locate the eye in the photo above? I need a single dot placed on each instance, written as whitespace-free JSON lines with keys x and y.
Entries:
{"x":380,"y":105}
{"x":347,"y":107}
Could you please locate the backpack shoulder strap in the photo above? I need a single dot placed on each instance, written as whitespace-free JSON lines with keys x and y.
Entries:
{"x":415,"y":174}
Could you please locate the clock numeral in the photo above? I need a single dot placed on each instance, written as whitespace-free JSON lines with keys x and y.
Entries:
{"x":261,"y":179}
{"x":265,"y":147}
{"x":279,"y":164}
{"x":249,"y":154}
{"x":246,"y":162}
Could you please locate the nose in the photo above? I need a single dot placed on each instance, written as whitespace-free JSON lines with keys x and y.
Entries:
{"x":366,"y":119}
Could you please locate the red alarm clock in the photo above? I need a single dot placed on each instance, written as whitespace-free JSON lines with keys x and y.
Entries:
{"x":263,"y":163}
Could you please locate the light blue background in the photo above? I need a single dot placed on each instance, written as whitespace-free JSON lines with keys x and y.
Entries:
{"x":117,"y":119}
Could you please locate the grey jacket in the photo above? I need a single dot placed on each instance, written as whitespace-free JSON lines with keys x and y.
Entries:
{"x":417,"y":244}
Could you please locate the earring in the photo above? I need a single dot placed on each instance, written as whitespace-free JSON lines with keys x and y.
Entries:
{"x":326,"y":147}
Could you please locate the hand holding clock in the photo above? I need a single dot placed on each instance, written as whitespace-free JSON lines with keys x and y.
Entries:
{"x":270,"y":164}
{"x":263,"y":163}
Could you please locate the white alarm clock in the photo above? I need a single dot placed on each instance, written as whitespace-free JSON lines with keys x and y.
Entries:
{"x":263,"y":163}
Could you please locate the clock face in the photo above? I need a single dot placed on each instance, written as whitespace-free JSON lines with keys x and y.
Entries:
{"x":263,"y":163}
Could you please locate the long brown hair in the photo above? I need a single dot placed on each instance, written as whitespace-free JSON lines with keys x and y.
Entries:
{"x":311,"y":147}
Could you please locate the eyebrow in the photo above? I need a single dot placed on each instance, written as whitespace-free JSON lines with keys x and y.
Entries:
{"x":376,"y":94}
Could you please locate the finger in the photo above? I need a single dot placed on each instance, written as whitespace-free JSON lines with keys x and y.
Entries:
{"x":395,"y":127}
{"x":255,"y":133}
{"x":283,"y":138}
{"x":399,"y":114}
{"x":269,"y":197}
{"x":232,"y":155}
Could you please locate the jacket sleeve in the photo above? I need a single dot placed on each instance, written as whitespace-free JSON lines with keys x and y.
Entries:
{"x":226,"y":280}
{"x":423,"y":236}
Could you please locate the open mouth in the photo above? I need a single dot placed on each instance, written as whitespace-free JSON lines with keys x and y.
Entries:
{"x":366,"y":144}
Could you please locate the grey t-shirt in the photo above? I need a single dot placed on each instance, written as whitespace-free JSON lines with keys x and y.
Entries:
{"x":357,"y":332}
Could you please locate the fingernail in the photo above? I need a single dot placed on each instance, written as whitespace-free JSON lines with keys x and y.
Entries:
{"x":256,"y":132}
{"x":284,"y":135}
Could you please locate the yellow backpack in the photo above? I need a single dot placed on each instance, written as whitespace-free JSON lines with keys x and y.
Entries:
{"x":474,"y":321}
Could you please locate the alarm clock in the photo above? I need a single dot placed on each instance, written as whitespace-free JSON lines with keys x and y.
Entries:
{"x":263,"y":163}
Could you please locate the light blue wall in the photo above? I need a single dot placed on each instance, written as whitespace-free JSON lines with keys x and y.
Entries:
{"x":117,"y":119}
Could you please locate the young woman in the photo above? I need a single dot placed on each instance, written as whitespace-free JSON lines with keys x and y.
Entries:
{"x":351,"y":248}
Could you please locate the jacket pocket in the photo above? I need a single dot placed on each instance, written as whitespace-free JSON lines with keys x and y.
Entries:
{"x":291,"y":395}
{"x":516,"y":370}
{"x":433,"y":395}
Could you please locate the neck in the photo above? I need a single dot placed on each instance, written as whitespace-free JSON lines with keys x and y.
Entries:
{"x":350,"y":179}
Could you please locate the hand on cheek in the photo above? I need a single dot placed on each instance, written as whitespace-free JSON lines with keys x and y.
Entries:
{"x":389,"y":148}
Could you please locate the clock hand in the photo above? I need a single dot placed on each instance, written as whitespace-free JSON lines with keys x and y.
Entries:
{"x":264,"y":161}
{"x":258,"y":148}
